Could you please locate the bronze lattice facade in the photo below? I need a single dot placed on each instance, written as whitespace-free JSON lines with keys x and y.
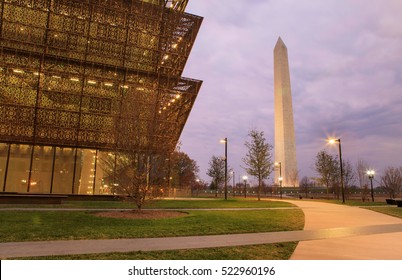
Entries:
{"x":75,"y":73}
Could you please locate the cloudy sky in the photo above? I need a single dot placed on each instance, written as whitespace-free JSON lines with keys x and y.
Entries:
{"x":345,"y":60}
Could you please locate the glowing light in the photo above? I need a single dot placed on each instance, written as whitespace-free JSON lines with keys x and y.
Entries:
{"x":92,"y":82}
{"x":370,"y":172}
{"x":108,"y":84}
{"x":18,"y":71}
{"x":333,"y":140}
{"x":74,"y":79}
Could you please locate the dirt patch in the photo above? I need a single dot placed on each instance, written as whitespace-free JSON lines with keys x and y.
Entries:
{"x":144,"y":214}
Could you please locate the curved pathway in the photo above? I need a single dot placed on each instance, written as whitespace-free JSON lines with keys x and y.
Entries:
{"x":331,"y":232}
{"x":371,"y":245}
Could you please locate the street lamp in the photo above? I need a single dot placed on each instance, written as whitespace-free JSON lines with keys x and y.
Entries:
{"x":280,"y":179}
{"x":245,"y":186}
{"x":225,"y":140}
{"x":370,"y":174}
{"x":233,"y":188}
{"x":333,"y":141}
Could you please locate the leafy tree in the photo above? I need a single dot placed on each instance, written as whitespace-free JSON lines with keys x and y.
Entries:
{"x":198,"y":186}
{"x":327,"y":168}
{"x":216,"y":171}
{"x":258,"y":158}
{"x":392,"y":181}
{"x":184,"y":169}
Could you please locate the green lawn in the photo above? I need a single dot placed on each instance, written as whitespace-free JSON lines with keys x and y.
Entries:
{"x":278,"y":251}
{"x":55,"y":225}
{"x":389,"y":210}
{"x":35,"y":225}
{"x":166,"y":204}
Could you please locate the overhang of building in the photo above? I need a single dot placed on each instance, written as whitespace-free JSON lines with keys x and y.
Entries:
{"x":89,"y":73}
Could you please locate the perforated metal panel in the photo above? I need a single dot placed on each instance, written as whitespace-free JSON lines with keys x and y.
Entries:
{"x":78,"y":73}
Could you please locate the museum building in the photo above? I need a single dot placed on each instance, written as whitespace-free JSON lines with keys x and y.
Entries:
{"x":74,"y":74}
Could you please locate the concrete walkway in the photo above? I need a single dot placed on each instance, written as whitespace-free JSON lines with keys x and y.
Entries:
{"x":331,"y":232}
{"x":370,"y":245}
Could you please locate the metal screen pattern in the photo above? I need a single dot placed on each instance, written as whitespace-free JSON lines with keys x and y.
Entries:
{"x":76,"y":73}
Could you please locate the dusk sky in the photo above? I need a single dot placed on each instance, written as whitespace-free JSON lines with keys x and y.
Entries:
{"x":345,"y":59}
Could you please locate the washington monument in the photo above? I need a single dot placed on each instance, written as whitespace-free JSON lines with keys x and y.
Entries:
{"x":285,"y":143}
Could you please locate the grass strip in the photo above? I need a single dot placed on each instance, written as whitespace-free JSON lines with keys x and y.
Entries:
{"x":389,"y":210}
{"x":278,"y":251}
{"x":163,"y":204}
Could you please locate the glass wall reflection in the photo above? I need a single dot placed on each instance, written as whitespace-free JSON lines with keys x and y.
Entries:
{"x":85,"y":170}
{"x":18,"y":168}
{"x":63,"y":171}
{"x":41,"y":174}
{"x":56,"y":170}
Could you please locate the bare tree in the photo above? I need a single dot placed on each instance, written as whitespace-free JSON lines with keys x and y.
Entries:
{"x":305,"y":184}
{"x":293,"y":176}
{"x":392,"y":181}
{"x":258,"y":158}
{"x":361,"y":170}
{"x":134,"y":176}
{"x":348,"y":176}
{"x":327,"y":168}
{"x":137,"y":164}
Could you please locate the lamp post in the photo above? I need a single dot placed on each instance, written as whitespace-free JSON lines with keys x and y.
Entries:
{"x":225,"y":140}
{"x":333,"y":141}
{"x":370,"y":174}
{"x":280,"y":179}
{"x":245,"y":186}
{"x":233,"y":188}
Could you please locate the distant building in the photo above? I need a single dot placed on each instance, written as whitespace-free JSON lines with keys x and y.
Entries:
{"x":285,"y":142}
{"x":72,"y":71}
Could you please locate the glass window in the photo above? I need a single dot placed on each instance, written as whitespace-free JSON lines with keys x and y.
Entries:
{"x":3,"y":162}
{"x":104,"y":172}
{"x":85,"y":171}
{"x":63,"y":171}
{"x":18,"y":168}
{"x":41,"y":174}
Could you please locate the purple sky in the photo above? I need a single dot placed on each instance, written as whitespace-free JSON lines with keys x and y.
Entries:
{"x":345,"y":60}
